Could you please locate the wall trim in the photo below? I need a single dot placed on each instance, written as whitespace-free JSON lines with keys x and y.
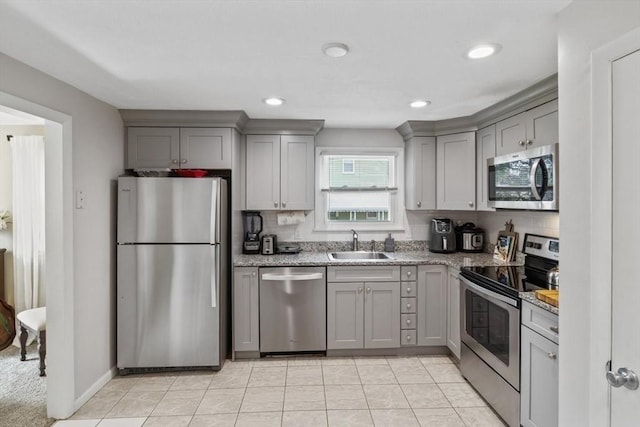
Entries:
{"x":95,"y":387}
{"x":543,"y":91}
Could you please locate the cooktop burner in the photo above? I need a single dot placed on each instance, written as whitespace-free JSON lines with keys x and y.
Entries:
{"x":542,"y":255}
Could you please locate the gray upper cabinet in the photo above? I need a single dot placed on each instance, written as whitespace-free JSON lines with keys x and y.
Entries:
{"x":485,"y":149}
{"x":456,"y":171}
{"x":420,"y":173}
{"x":179,"y":148}
{"x":280,"y":172}
{"x":246,"y":320}
{"x":532,"y":128}
{"x":432,"y":305}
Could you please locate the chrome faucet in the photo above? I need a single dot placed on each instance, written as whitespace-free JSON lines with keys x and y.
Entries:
{"x":354,"y":246}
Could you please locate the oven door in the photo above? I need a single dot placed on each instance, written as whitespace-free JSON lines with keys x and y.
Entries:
{"x":491,"y":329}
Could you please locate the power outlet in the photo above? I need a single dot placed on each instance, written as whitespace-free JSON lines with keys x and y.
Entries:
{"x":80,"y":200}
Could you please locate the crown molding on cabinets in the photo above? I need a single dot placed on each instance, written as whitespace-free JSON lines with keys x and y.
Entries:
{"x":185,"y":118}
{"x":227,"y":119}
{"x":282,"y":127}
{"x":541,"y":92}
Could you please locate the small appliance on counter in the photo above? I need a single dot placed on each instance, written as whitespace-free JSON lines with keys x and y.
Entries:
{"x":442,"y":237}
{"x":252,"y":230}
{"x":469,"y":238}
{"x":269,"y":244}
{"x":289,"y":249}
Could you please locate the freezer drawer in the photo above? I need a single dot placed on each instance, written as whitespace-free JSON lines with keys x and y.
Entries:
{"x":293,"y":309}
{"x":165,"y":307}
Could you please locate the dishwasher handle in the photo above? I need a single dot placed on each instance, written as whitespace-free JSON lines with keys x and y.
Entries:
{"x":291,"y":277}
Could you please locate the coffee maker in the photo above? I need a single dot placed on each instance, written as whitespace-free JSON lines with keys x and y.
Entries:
{"x":252,"y":228}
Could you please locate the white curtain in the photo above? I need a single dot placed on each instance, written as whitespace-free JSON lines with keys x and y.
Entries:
{"x":27,"y":153}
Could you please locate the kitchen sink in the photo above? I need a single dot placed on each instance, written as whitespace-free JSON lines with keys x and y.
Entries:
{"x":357,"y":255}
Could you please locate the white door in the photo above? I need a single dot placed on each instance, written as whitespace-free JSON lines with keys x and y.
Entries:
{"x":625,"y":292}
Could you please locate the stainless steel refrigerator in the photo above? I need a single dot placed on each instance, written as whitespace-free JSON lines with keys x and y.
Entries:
{"x":172,"y":273}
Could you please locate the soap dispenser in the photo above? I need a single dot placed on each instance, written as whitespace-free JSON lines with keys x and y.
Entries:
{"x":389,"y":244}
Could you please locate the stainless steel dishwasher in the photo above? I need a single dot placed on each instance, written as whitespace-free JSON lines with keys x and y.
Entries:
{"x":293,"y":309}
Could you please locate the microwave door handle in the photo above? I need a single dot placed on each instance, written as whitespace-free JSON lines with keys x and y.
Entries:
{"x":532,"y":179}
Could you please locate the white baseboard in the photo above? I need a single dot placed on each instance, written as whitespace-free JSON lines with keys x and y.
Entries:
{"x":95,"y":387}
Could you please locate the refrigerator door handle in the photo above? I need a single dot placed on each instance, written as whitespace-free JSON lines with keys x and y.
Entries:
{"x":215,"y":269}
{"x":215,"y":211}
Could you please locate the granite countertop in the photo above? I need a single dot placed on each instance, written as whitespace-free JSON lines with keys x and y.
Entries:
{"x":305,"y":258}
{"x":531,"y":297}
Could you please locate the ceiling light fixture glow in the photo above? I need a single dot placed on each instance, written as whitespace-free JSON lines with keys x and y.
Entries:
{"x":419,"y":103}
{"x":483,"y":50}
{"x":273,"y":101}
{"x":335,"y":50}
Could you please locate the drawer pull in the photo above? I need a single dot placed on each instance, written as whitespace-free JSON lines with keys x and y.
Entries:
{"x":408,"y":321}
{"x":554,"y":329}
{"x":408,"y":305}
{"x":408,"y":273}
{"x":552,"y":356}
{"x":408,"y":290}
{"x":408,"y":337}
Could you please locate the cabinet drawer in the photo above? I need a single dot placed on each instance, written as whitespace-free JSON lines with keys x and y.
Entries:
{"x":408,"y":272}
{"x":363,"y":273}
{"x":408,"y":321}
{"x":407,"y":305}
{"x":408,"y":337}
{"x":408,"y":289}
{"x":540,"y":320}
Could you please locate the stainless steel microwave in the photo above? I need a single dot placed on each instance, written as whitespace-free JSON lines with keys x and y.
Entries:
{"x":525,"y":180}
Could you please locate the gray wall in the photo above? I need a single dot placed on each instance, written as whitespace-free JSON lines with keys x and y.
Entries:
{"x":97,"y":150}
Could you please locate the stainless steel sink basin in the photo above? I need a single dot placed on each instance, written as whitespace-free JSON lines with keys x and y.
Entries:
{"x":357,"y":255}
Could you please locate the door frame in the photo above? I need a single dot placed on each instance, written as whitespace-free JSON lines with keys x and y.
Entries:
{"x":59,"y":254}
{"x":601,"y":214}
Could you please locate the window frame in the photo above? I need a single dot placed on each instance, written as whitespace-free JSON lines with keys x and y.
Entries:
{"x":396,"y":211}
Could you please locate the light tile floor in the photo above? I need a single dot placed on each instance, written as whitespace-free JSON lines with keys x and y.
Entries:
{"x":353,"y":392}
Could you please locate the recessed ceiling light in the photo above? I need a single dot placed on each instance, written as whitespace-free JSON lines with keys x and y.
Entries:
{"x":273,"y":101}
{"x":335,"y":50}
{"x":483,"y":50}
{"x":419,"y":103}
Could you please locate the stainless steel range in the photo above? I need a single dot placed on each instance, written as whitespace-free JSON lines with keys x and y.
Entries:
{"x":490,"y":323}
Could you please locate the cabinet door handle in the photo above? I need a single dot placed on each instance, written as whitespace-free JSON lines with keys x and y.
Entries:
{"x":552,"y":356}
{"x":529,"y":142}
{"x":275,"y":204}
{"x":183,"y":161}
{"x":470,"y":204}
{"x":419,"y":204}
{"x":284,"y":204}
{"x":254,"y":274}
{"x":359,"y":290}
{"x":174,"y":161}
{"x":521,"y":143}
{"x":554,"y":329}
{"x":368,"y":290}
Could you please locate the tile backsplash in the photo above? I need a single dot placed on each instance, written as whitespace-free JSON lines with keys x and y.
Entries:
{"x":417,"y":226}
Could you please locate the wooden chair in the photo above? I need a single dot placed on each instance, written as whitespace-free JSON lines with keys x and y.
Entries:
{"x":35,"y":321}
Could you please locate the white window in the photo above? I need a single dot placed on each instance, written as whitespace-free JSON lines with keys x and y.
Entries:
{"x":358,"y":188}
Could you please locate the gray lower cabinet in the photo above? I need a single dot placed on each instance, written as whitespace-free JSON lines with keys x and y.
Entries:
{"x":453,"y":311}
{"x":363,"y":314}
{"x":539,"y":361}
{"x":246,"y":319}
{"x":432,"y":305}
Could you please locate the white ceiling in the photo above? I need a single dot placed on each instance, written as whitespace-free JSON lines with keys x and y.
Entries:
{"x":230,"y":54}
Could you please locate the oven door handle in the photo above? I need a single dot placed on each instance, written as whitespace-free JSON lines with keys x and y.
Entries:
{"x":488,"y":293}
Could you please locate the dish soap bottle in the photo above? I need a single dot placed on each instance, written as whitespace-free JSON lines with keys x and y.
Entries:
{"x":389,"y":244}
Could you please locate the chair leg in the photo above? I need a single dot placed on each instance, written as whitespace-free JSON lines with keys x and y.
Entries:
{"x":23,"y":343}
{"x":42,"y":350}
